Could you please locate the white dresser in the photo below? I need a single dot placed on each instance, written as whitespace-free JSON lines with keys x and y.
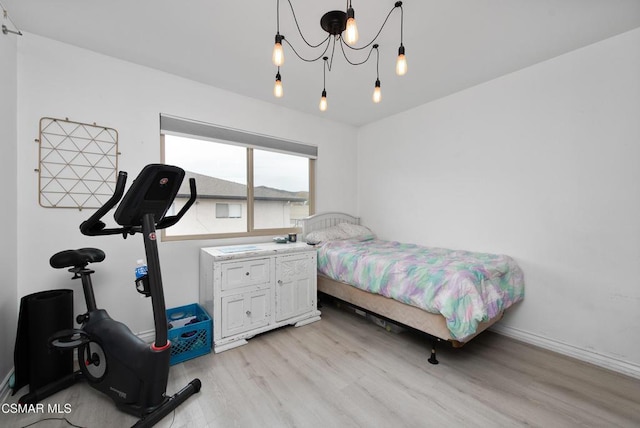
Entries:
{"x":250,"y":289}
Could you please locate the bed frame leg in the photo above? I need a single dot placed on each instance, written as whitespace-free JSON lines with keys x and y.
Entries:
{"x":432,"y":359}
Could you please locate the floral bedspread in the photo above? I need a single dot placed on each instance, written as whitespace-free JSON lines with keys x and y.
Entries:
{"x":465,"y":287}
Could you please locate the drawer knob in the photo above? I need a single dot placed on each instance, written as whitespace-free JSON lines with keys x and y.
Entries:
{"x":247,"y":274}
{"x":248,"y":313}
{"x":280,"y":282}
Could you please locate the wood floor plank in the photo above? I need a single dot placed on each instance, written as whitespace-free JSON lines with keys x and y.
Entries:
{"x":345,"y":371}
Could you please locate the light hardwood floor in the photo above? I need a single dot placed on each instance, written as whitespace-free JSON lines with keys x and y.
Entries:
{"x":345,"y":371}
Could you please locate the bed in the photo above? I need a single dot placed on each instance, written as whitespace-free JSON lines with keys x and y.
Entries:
{"x":450,"y":295}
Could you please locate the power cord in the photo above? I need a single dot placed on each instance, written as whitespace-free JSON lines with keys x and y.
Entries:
{"x":54,"y":419}
{"x":173,"y":419}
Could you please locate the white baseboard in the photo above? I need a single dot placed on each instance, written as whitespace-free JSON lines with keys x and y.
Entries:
{"x":147,"y":336}
{"x":605,"y":361}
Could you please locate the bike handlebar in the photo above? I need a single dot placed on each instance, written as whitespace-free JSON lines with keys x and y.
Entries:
{"x":94,"y":225}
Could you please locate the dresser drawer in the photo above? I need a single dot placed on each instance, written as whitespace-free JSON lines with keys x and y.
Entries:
{"x":245,"y":273}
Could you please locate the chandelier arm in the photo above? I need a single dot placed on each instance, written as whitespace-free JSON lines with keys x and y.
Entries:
{"x":379,"y":31}
{"x":401,"y":22}
{"x":307,"y":59}
{"x":295,"y":19}
{"x":333,"y":51}
{"x":343,"y":43}
{"x":324,"y":73}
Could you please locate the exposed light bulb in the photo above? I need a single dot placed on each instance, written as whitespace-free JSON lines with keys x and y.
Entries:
{"x":278,"y":52}
{"x":401,"y":63}
{"x":352,"y":28}
{"x":277,"y":88}
{"x":377,"y":95}
{"x":323,"y":101}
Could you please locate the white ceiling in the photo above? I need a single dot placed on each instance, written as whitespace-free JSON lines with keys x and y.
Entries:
{"x":450,"y":44}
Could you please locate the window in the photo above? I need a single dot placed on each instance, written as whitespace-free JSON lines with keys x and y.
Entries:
{"x":248,"y":184}
{"x":228,"y":210}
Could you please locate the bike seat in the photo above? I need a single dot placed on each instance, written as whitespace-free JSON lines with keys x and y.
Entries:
{"x":69,"y":339}
{"x":76,"y":258}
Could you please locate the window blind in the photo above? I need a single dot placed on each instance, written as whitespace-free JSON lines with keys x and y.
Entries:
{"x":191,"y":128}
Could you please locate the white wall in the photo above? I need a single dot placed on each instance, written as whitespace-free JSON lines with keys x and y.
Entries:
{"x":8,"y":212}
{"x":59,"y":80}
{"x":541,"y":164}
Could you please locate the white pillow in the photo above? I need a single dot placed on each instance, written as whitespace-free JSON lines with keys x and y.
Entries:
{"x":356,"y":231}
{"x":323,"y":235}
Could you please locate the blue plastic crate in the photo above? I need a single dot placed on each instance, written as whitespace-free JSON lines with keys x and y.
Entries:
{"x":191,"y":340}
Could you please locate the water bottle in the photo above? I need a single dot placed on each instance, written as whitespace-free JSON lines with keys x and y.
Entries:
{"x":142,"y":282}
{"x":141,"y":269}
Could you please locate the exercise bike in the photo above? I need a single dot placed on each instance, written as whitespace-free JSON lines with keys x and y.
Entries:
{"x":111,"y":358}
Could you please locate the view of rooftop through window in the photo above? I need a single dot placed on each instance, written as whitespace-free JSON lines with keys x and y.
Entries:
{"x":280,"y":192}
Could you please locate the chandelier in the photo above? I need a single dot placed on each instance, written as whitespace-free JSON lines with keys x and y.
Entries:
{"x":341,"y":30}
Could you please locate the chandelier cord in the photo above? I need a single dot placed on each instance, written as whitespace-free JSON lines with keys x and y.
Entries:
{"x":401,"y":23}
{"x":377,"y":62}
{"x":324,"y":74}
{"x":380,"y":30}
{"x":333,"y":51}
{"x":295,"y":19}
{"x":343,"y":43}
{"x":306,"y":59}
